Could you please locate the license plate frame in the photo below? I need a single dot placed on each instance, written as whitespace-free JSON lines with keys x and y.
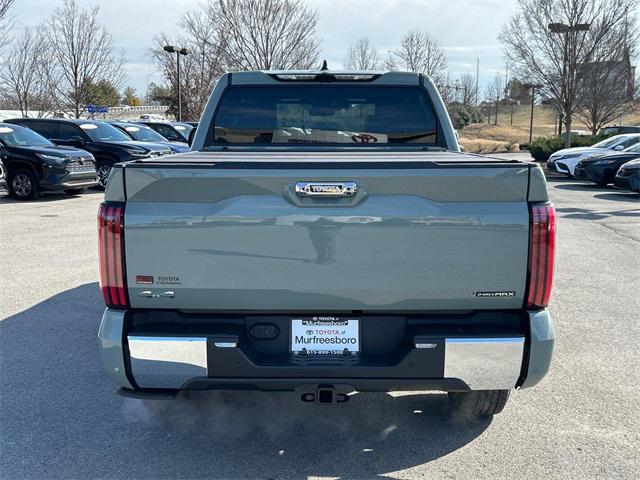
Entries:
{"x":325,"y":327}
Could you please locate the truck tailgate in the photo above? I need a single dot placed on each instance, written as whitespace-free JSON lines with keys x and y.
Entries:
{"x":415,"y":236}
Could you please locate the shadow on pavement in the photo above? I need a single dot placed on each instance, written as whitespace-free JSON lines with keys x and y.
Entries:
{"x":588,"y":214}
{"x":585,"y":187}
{"x":618,"y":196}
{"x":60,"y":417}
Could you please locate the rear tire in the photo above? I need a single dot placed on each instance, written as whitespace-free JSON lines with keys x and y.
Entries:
{"x":103,"y":169}
{"x":23,"y":185}
{"x":74,"y":191}
{"x":478,"y":403}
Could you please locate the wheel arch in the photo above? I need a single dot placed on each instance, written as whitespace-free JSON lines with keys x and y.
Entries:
{"x":106,"y":157}
{"x":13,"y":165}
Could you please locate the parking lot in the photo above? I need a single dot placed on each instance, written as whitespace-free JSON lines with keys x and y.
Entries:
{"x":60,"y":416}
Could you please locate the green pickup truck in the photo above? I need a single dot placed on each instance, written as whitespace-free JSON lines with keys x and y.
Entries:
{"x":325,"y":235}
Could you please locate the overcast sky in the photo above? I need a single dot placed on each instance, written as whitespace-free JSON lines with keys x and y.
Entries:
{"x":465,"y":28}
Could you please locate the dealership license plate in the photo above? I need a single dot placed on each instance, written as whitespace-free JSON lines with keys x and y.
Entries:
{"x":325,"y":335}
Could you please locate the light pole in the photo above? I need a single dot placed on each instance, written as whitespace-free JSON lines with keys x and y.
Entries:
{"x":533,"y":87}
{"x":564,"y":29}
{"x":477,"y":76}
{"x":178,"y":51}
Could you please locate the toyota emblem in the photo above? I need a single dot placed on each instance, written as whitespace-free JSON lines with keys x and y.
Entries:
{"x":364,"y":138}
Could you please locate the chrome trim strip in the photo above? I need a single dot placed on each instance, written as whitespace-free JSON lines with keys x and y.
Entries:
{"x":226,"y":344}
{"x":484,"y":363}
{"x":486,"y":340}
{"x":88,"y":183}
{"x":167,"y":362}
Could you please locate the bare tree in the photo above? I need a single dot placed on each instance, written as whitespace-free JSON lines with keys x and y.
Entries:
{"x":389,"y":63}
{"x":21,"y":73}
{"x":554,"y":60}
{"x":603,"y":95}
{"x":83,"y":53}
{"x":207,"y":57}
{"x":608,"y":84}
{"x":235,"y":35}
{"x":4,"y":8}
{"x":466,"y":89}
{"x":494,"y":95}
{"x":362,"y":56}
{"x":267,"y":34}
{"x":422,"y":53}
{"x":201,"y":68}
{"x":5,"y":20}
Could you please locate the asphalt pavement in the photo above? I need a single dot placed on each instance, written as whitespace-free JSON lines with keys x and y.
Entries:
{"x":60,"y":416}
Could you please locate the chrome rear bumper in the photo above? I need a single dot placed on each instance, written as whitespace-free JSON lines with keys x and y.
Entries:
{"x":467,"y":363}
{"x":167,"y":362}
{"x":481,"y":363}
{"x":484,"y":363}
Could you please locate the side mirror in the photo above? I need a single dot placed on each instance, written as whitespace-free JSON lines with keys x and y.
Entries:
{"x":618,"y":147}
{"x":192,"y":134}
{"x":77,"y":139}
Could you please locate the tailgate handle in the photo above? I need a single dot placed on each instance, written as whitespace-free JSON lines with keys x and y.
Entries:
{"x":326,"y":189}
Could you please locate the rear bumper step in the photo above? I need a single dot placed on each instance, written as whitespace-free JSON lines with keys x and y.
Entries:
{"x":147,"y":395}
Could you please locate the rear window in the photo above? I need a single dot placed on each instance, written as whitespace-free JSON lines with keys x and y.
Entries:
{"x":365,"y":115}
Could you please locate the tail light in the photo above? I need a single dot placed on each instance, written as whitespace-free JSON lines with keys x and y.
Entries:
{"x":111,"y":243}
{"x":542,"y":230}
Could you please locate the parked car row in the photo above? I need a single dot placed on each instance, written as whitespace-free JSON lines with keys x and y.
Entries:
{"x":602,"y":169}
{"x":565,"y":160}
{"x":70,"y":155}
{"x":614,"y":160}
{"x":34,"y":164}
{"x":144,"y":133}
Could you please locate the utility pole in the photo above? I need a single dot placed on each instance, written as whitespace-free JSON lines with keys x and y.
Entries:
{"x":507,"y":97}
{"x":178,"y":51}
{"x":477,"y":77}
{"x":506,"y":81}
{"x":533,"y":87}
